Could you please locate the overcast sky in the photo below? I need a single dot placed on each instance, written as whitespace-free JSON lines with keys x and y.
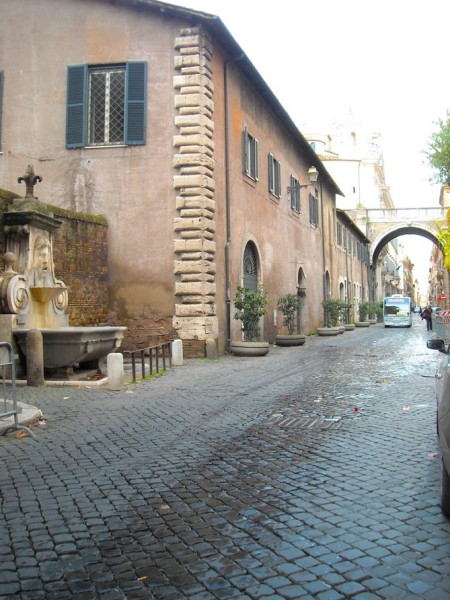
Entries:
{"x":386,"y":61}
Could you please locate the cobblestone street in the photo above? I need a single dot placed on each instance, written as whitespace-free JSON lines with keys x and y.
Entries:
{"x":312,"y":472}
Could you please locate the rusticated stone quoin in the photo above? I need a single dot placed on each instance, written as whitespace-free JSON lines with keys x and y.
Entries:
{"x":195,"y":318}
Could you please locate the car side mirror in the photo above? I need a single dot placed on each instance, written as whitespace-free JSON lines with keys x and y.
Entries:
{"x":436,"y":344}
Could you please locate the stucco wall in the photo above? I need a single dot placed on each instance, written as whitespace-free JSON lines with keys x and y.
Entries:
{"x":131,"y":186}
{"x":138,"y":189}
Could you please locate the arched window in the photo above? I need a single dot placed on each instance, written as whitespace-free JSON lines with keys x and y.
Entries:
{"x":250,"y":267}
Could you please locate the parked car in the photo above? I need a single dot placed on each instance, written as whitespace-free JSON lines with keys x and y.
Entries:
{"x":417,"y":310}
{"x":443,"y":418}
{"x":436,"y":309}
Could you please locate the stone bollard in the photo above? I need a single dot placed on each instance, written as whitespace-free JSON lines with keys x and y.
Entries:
{"x":211,"y":349}
{"x":114,"y":365}
{"x":177,"y":353}
{"x":35,"y":358}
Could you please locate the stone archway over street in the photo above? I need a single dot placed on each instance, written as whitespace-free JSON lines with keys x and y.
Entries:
{"x":381,"y":225}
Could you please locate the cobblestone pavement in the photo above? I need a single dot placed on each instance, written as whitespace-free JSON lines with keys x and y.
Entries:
{"x":309,"y":473}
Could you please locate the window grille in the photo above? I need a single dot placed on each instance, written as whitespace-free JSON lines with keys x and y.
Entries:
{"x":106,"y":123}
{"x":250,"y":267}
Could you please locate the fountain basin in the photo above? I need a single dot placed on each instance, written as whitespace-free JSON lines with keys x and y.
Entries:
{"x":68,"y":346}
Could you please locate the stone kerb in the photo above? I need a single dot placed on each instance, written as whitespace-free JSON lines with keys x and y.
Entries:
{"x":194,"y":224}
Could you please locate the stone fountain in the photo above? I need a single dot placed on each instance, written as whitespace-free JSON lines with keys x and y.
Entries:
{"x":31,"y":297}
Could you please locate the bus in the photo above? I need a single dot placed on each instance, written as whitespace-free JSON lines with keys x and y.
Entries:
{"x":397,"y":311}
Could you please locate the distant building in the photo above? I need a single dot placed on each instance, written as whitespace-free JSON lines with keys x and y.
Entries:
{"x":354,"y":158}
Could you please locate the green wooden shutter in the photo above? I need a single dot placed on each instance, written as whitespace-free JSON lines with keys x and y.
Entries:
{"x":277,"y":179}
{"x":270,"y":169}
{"x":136,"y":102}
{"x":76,"y":106}
{"x":245,"y":159}
{"x":1,"y":107}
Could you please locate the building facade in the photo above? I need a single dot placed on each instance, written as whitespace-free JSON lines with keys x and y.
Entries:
{"x":153,"y":116}
{"x":353,"y":156}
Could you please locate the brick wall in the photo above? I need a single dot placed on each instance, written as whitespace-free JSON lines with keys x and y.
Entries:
{"x":80,"y":256}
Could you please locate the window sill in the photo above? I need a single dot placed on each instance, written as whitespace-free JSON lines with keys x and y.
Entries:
{"x":105,"y":146}
{"x":250,"y":180}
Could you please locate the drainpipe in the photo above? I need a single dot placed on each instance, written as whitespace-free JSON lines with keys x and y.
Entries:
{"x":347,"y":295}
{"x":227,"y":202}
{"x":323,"y":246}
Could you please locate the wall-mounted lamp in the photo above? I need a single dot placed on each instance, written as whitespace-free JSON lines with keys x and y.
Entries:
{"x":313,"y":175}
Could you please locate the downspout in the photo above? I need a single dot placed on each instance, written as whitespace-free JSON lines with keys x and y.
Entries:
{"x":323,"y":247}
{"x":227,"y":203}
{"x":347,"y":295}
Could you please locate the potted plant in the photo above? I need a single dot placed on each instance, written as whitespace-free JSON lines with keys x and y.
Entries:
{"x":331,"y":317}
{"x":345,"y":316}
{"x":375,"y":309}
{"x":363,"y":311}
{"x":289,"y":305}
{"x":250,"y":306}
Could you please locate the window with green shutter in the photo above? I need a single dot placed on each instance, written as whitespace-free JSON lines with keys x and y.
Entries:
{"x":274,"y":176}
{"x":106,"y":105}
{"x":294,"y":190}
{"x":250,"y":156}
{"x":313,"y":209}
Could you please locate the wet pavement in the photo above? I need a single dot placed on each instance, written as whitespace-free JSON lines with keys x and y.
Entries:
{"x":312,"y":472}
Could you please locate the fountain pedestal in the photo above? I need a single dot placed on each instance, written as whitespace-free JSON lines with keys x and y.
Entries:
{"x":36,"y":299}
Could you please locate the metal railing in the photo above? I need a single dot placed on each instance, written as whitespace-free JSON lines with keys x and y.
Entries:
{"x":157,"y":357}
{"x":9,"y":398}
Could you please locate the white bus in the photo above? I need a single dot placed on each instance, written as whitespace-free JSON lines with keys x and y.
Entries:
{"x":397,"y":311}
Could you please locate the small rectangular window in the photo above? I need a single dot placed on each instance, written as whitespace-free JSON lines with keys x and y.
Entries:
{"x":294,"y":189}
{"x":274,"y":176}
{"x":250,"y":156}
{"x":106,"y":105}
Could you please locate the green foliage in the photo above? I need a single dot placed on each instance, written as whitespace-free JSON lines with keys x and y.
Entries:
{"x":438,"y":153}
{"x":250,"y":305}
{"x":344,"y":311}
{"x":375,"y":309}
{"x":288,"y":305}
{"x":363,"y":311}
{"x":332,"y":311}
{"x":443,"y":238}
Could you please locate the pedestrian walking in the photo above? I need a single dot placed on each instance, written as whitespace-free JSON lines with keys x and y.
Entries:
{"x":426,"y":314}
